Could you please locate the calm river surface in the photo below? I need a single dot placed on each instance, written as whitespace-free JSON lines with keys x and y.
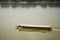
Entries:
{"x":9,"y":17}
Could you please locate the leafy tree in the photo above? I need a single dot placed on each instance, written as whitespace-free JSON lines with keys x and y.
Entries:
{"x":3,"y":0}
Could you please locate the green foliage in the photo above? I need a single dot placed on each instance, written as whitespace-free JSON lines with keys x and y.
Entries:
{"x":27,"y":0}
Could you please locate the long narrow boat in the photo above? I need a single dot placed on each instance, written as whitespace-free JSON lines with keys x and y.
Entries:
{"x":26,"y":26}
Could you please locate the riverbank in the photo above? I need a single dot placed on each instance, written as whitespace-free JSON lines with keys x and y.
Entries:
{"x":25,"y":3}
{"x":29,"y":4}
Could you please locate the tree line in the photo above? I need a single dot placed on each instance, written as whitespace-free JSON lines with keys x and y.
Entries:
{"x":27,"y":0}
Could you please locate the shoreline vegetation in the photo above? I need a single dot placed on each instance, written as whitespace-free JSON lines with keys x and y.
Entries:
{"x":28,"y":4}
{"x":25,"y":3}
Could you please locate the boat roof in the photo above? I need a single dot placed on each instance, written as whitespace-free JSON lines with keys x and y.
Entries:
{"x":34,"y":25}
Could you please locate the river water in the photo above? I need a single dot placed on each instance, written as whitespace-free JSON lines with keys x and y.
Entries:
{"x":9,"y":17}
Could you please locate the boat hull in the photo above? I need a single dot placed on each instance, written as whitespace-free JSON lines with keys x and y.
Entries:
{"x":33,"y":27}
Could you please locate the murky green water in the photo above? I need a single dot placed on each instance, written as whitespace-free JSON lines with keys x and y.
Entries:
{"x":9,"y":17}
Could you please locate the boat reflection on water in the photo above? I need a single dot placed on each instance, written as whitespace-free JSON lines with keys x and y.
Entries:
{"x":34,"y":29}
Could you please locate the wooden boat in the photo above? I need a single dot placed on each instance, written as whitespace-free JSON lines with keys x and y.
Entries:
{"x":26,"y":26}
